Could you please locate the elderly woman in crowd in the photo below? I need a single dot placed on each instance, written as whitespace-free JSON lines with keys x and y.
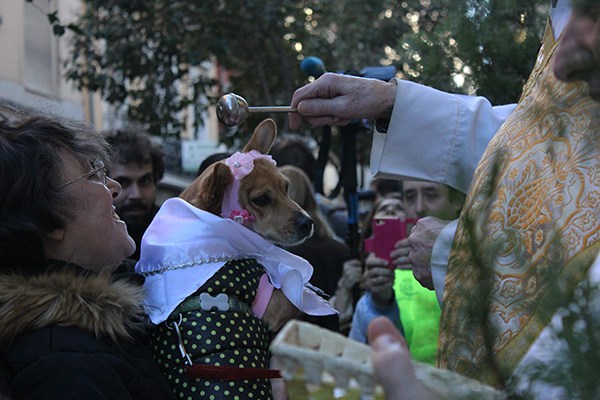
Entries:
{"x":68,"y":327}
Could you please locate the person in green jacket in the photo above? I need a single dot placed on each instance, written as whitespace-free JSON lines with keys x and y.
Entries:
{"x":415,"y":309}
{"x":418,"y":305}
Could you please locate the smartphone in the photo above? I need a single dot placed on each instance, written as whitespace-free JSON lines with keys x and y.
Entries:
{"x":386,"y":233}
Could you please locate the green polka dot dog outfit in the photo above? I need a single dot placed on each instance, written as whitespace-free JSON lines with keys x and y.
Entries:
{"x":234,"y":338}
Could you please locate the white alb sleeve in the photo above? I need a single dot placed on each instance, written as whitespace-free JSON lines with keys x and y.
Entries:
{"x":440,"y":255}
{"x":435,"y":136}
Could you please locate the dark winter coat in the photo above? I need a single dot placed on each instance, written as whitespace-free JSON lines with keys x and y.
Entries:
{"x":72,"y":334}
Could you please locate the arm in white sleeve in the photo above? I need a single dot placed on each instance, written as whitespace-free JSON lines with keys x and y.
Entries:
{"x":435,"y":136}
{"x":440,"y":254}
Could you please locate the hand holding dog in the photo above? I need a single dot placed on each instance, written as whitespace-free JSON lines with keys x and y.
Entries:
{"x":336,"y":99}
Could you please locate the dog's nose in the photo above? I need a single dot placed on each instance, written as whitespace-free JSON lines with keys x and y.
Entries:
{"x":304,"y":224}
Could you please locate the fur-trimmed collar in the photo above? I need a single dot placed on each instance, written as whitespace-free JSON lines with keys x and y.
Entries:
{"x":65,"y":296}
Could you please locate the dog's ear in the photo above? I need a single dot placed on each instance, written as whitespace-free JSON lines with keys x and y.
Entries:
{"x":207,"y":191}
{"x":263,"y":137}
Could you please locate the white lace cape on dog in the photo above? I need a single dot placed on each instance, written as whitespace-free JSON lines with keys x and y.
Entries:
{"x":185,"y":246}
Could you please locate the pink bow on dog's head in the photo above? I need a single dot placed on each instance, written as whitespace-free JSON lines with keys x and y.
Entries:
{"x":240,"y":164}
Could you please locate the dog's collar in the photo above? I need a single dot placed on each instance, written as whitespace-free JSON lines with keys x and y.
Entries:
{"x":240,"y":164}
{"x":224,"y":302}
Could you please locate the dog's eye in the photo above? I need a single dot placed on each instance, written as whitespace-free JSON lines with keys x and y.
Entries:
{"x":262,"y":201}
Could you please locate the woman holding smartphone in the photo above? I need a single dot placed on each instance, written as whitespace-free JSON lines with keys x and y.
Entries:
{"x":377,"y":279}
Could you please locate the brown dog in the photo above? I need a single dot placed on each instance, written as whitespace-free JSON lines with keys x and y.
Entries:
{"x":263,"y":193}
{"x":226,"y":352}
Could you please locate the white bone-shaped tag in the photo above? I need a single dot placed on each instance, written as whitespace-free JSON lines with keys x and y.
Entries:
{"x":221,"y":302}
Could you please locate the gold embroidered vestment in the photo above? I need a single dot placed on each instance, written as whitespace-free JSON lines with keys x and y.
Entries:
{"x":529,"y":229}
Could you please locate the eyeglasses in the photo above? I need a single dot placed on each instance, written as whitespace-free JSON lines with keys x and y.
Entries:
{"x":98,"y":170}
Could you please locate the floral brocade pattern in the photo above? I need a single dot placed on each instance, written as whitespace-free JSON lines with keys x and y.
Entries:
{"x":530,"y":216}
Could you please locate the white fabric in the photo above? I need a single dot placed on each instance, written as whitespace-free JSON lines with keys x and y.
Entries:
{"x":440,"y":255}
{"x":560,"y":16}
{"x":184,"y":247}
{"x":435,"y":136}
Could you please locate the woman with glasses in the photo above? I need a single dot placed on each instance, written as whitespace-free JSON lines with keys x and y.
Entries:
{"x":68,"y":327}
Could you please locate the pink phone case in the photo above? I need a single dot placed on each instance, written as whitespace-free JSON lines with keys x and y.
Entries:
{"x":386,"y":233}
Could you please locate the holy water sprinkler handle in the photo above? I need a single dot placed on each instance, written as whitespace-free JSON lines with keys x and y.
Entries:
{"x":233,"y":109}
{"x":276,"y":109}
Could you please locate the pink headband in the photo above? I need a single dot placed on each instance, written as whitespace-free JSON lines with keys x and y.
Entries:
{"x":240,"y":164}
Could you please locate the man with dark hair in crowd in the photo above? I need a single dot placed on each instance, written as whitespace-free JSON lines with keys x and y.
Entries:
{"x":138,"y":164}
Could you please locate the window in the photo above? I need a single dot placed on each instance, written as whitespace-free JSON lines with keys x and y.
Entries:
{"x":40,"y":67}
